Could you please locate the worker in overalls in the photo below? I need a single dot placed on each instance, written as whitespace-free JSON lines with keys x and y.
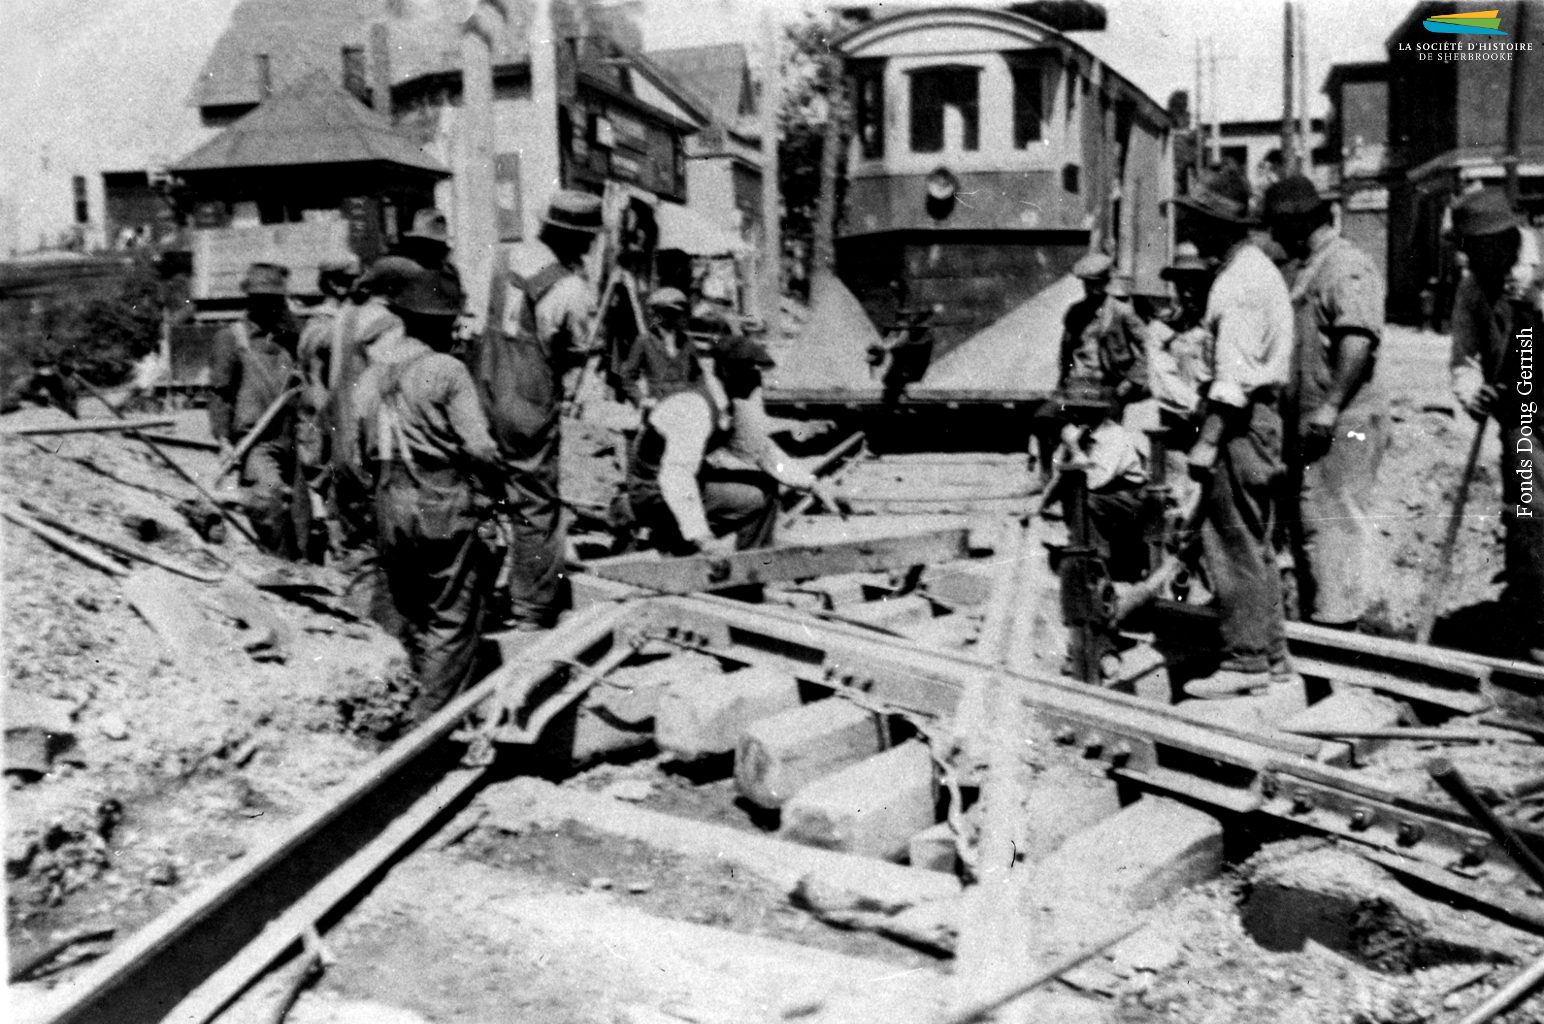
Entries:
{"x":705,"y":473}
{"x":1496,"y":326}
{"x":421,"y":428}
{"x":663,"y":359}
{"x":540,"y":308}
{"x":252,"y":365}
{"x":318,"y":341}
{"x":1335,"y":412}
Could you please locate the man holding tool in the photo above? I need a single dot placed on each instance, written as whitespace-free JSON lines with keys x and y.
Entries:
{"x":1495,"y":325}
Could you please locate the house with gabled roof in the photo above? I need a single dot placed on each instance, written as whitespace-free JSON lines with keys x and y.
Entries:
{"x":723,"y":161}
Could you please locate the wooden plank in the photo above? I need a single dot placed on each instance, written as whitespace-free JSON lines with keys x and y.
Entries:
{"x":91,"y":427}
{"x":769,"y":565}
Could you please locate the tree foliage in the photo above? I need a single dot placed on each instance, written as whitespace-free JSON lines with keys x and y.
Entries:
{"x":811,"y":71}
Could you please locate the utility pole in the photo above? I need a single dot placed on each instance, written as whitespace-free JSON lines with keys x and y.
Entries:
{"x":1516,"y":96}
{"x":770,"y":285}
{"x":823,"y":243}
{"x":1198,"y":125}
{"x":476,"y":214}
{"x":1211,"y":47}
{"x":1289,"y":153}
{"x":540,"y":166}
{"x":1304,"y":121}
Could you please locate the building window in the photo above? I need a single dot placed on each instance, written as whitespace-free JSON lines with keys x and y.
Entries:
{"x":1028,"y":101}
{"x":1238,"y":156}
{"x":355,"y":81}
{"x":264,"y":76}
{"x":869,"y":92}
{"x":935,"y":93}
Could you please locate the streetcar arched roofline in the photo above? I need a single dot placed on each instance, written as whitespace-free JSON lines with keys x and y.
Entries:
{"x":1017,"y":30}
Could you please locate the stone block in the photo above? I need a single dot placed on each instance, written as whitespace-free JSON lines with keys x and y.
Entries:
{"x":1133,"y":860}
{"x":871,"y":808}
{"x":1352,"y":708}
{"x":704,"y":715}
{"x":778,"y":756}
{"x":934,"y":849}
{"x":891,"y":612}
{"x":1058,"y":807}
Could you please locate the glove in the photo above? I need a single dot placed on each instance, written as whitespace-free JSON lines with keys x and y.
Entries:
{"x":1202,"y":459}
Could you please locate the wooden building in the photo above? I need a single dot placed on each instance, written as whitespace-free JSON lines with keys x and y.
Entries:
{"x":990,"y":152}
{"x":309,"y":174}
{"x":1356,"y":136}
{"x":1447,"y":123}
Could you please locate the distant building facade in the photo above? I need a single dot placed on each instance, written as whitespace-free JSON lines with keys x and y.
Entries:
{"x":1356,"y":137}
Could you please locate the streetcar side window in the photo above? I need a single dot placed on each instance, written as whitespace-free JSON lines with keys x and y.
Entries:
{"x":1028,"y":105}
{"x":869,"y":119}
{"x":945,"y":107}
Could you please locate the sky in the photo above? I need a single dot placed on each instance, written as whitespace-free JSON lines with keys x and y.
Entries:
{"x":88,"y":86}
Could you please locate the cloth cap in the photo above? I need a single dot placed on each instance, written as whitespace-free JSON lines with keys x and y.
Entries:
{"x":1292,"y":197}
{"x":574,"y":211}
{"x":667,"y":298}
{"x":1221,"y":194}
{"x":1187,"y":259}
{"x":738,"y":348}
{"x":429,"y":223}
{"x":266,"y":279}
{"x":1485,"y":212}
{"x":427,"y":293}
{"x":1095,"y":264}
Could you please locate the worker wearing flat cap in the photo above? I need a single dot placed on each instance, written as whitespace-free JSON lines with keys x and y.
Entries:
{"x":1102,"y":341}
{"x":1334,"y":409}
{"x":538,"y":327}
{"x":1496,"y":324}
{"x":705,"y":472}
{"x":661,"y":361}
{"x":1238,"y":453}
{"x":253,"y":364}
{"x":424,"y":438}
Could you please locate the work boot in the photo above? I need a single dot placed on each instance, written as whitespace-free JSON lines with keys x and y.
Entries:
{"x":1235,"y":677}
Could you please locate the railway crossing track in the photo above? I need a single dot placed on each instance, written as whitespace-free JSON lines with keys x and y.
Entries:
{"x":873,"y":668}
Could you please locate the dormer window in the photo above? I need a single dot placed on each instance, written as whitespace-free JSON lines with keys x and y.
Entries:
{"x":945,"y":109}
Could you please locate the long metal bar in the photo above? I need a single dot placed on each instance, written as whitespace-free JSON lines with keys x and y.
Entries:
{"x":695,"y":573}
{"x":168,"y":960}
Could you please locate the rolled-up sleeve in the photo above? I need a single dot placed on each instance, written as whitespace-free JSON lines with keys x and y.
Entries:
{"x":686,"y":423}
{"x":1239,"y":329}
{"x":464,"y":411}
{"x":1354,"y":302}
{"x":753,"y":429}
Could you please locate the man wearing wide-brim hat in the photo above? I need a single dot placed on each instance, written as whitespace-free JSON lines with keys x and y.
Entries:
{"x":252,"y":365}
{"x":1336,"y":413}
{"x":1238,"y":453}
{"x":1496,"y":325}
{"x":539,"y":314}
{"x":425,"y":441}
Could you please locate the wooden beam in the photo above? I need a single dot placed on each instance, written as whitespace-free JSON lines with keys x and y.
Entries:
{"x":91,"y":427}
{"x":695,"y":573}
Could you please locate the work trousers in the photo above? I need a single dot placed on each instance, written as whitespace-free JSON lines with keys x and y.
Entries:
{"x":1116,"y":517}
{"x":1331,"y":528}
{"x":738,"y":501}
{"x":1524,"y":595}
{"x":1236,"y":539}
{"x":275,"y":498}
{"x":538,"y":535}
{"x":437,"y":572}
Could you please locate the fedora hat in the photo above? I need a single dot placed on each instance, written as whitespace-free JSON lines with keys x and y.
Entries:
{"x":426,"y":293}
{"x":1292,"y":197}
{"x":429,"y":223}
{"x":1483,"y":212}
{"x":266,"y":279}
{"x":1221,"y":194}
{"x":1187,"y":260}
{"x":571,"y":210}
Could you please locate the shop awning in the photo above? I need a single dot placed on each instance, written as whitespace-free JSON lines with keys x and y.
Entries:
{"x":692,"y":233}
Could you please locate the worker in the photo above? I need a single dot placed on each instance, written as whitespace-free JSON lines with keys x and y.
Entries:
{"x":1335,"y":411}
{"x":1113,"y":460}
{"x":1102,"y":341}
{"x":1238,"y":452}
{"x":538,"y":327}
{"x":1495,"y":324}
{"x":662,"y":360}
{"x":252,"y":365}
{"x":334,"y":280}
{"x":421,"y":429}
{"x":427,"y":243}
{"x":705,"y":473}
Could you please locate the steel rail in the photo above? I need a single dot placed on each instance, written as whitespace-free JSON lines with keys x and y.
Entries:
{"x":253,"y":905}
{"x":1152,"y":744}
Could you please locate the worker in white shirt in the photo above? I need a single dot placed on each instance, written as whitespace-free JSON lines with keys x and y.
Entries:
{"x":705,"y":474}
